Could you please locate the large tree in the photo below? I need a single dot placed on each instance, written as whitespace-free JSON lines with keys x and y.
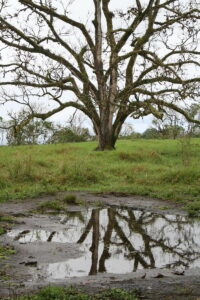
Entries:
{"x":134,"y":60}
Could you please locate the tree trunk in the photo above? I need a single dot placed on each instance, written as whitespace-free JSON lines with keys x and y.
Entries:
{"x":106,"y":136}
{"x":106,"y":141}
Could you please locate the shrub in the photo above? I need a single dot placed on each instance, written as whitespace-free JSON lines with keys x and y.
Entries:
{"x":70,"y":199}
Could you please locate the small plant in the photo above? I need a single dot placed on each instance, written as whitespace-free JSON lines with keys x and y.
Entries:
{"x":51,"y":204}
{"x":70,"y":199}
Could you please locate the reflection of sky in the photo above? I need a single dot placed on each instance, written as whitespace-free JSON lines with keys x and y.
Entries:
{"x":172,"y":240}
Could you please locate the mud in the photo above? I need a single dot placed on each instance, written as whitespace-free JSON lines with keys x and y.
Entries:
{"x":55,"y":248}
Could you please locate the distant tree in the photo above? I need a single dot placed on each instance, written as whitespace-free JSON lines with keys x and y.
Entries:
{"x":119,"y":62}
{"x":170,"y":126}
{"x":35,"y":132}
{"x":151,"y":133}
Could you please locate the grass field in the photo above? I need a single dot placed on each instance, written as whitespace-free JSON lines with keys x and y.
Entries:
{"x":166,"y":169}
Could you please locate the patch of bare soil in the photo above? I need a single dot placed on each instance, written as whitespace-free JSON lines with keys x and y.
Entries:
{"x":42,"y":249}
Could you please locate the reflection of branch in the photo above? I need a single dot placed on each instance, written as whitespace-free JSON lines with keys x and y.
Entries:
{"x":86,"y":231}
{"x":128,"y":244}
{"x":150,"y":243}
{"x":51,"y":236}
{"x":21,"y":235}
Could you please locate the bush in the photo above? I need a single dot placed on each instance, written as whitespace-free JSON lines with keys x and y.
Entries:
{"x":67,"y":135}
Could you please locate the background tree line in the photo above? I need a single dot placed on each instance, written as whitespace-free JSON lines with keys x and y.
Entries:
{"x":39,"y":131}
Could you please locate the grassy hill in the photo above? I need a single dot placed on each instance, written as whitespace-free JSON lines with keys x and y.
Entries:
{"x":166,"y":169}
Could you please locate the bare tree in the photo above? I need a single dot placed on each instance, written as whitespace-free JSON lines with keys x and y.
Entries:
{"x":134,"y":61}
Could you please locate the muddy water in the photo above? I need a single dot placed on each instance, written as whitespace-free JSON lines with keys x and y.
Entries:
{"x":117,"y":241}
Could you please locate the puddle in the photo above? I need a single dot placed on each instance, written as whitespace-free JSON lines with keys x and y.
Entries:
{"x":118,"y":241}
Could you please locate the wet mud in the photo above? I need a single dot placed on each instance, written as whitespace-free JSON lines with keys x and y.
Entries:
{"x":127,"y":242}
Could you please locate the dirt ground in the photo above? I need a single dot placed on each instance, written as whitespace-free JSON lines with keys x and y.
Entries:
{"x":17,"y":269}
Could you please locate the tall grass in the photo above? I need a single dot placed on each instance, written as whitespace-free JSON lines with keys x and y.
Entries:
{"x":164,"y":169}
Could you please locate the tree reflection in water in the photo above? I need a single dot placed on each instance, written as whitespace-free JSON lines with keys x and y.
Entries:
{"x":147,"y":240}
{"x":119,"y":240}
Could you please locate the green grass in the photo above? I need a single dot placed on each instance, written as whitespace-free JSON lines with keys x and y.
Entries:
{"x":164,"y":169}
{"x":60,"y":293}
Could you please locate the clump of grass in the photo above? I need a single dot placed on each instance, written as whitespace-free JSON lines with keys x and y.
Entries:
{"x":7,"y":219}
{"x":70,"y":199}
{"x":193,"y":208}
{"x":50,"y":205}
{"x":5,"y":251}
{"x":22,"y":169}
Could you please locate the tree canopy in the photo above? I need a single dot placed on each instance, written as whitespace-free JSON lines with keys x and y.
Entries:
{"x":134,"y":59}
